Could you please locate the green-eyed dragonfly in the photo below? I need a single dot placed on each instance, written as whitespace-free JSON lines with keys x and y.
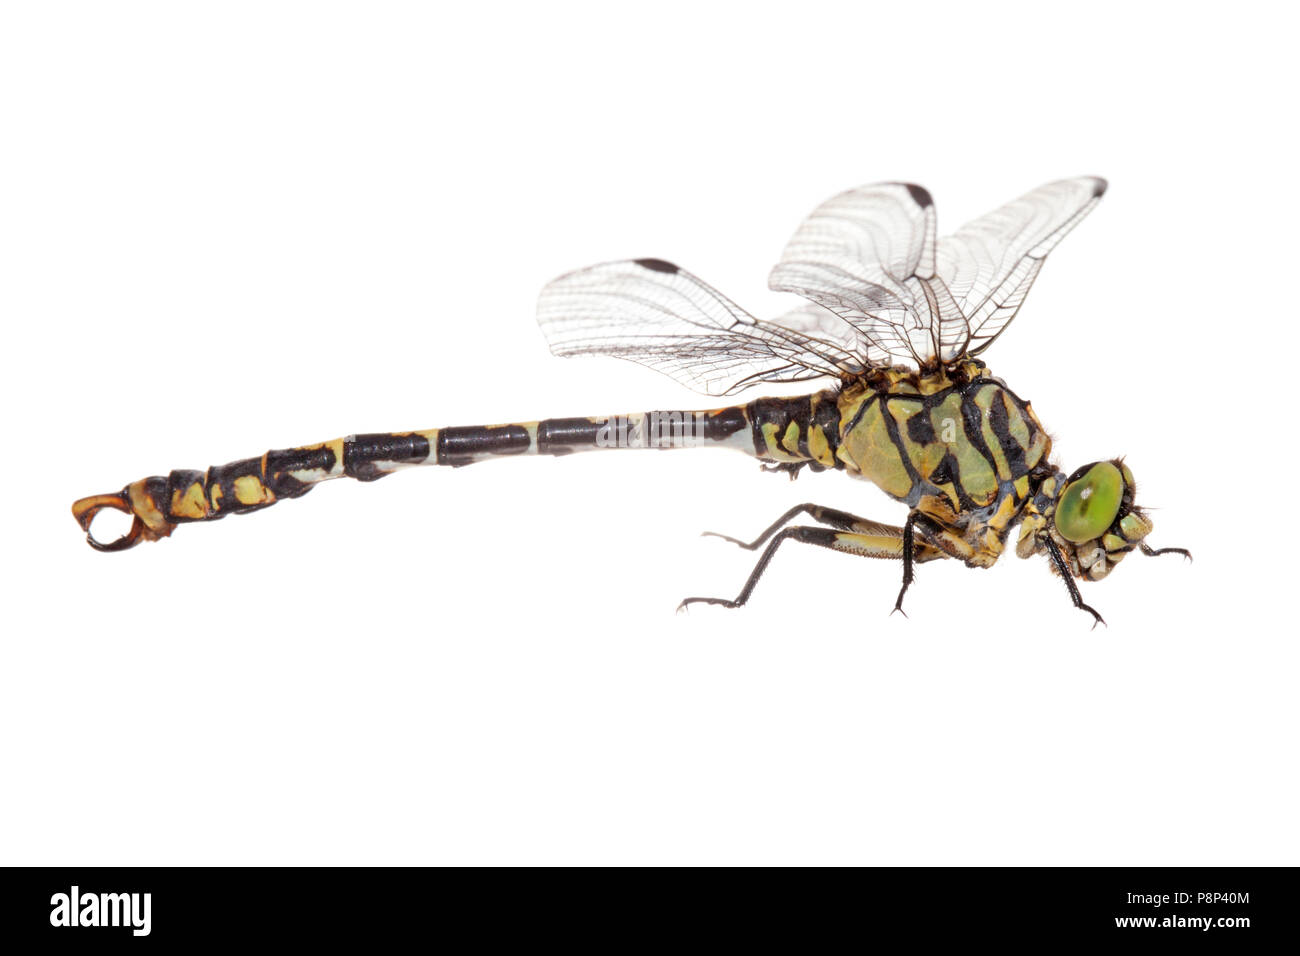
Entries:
{"x":894,"y":315}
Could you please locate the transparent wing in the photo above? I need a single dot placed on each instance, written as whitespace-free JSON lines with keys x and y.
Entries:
{"x":654,"y":313}
{"x":884,"y":292}
{"x":989,"y":264}
{"x":823,"y":325}
{"x":868,"y":255}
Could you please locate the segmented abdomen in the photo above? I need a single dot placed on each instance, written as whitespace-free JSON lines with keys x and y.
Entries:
{"x":160,"y":503}
{"x":805,"y":428}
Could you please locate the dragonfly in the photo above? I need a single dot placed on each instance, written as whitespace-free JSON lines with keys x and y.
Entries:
{"x":893,"y":320}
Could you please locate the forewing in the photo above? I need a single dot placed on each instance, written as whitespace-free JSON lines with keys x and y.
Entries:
{"x":989,"y":264}
{"x":651,"y":312}
{"x":868,"y":255}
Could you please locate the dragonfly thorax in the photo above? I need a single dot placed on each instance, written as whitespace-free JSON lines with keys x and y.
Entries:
{"x":954,"y":443}
{"x":953,"y":440}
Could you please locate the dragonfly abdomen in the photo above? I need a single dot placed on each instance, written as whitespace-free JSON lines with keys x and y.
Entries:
{"x":803,"y":428}
{"x":159,"y":503}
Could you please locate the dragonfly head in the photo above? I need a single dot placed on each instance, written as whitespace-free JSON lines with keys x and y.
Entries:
{"x":1090,"y":516}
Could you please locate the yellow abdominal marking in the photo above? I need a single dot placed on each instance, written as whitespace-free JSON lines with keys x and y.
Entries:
{"x":190,"y":503}
{"x":249,"y":490}
{"x":820,"y":447}
{"x":790,"y":441}
{"x":775,"y":450}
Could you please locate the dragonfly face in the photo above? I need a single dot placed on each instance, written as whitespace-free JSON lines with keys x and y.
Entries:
{"x":1094,"y":519}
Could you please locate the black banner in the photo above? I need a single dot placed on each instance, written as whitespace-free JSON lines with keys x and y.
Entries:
{"x":134,"y":907}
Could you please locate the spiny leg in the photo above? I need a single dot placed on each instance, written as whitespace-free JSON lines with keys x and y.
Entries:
{"x":1151,"y":552}
{"x":836,"y":519}
{"x":909,"y":551}
{"x":865,"y":545}
{"x":1064,"y":570}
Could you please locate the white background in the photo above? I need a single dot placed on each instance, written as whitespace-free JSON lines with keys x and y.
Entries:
{"x":228,"y":228}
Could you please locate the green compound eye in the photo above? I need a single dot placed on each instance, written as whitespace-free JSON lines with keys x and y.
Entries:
{"x":1089,"y":505}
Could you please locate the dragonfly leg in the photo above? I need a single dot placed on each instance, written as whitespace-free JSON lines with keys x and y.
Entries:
{"x":868,"y":545}
{"x":1064,"y":570}
{"x":909,"y":550}
{"x":937,"y":541}
{"x":836,"y":519}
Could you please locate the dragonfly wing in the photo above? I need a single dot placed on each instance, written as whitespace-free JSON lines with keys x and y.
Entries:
{"x":869,"y":256}
{"x":823,"y":324}
{"x":651,"y":312}
{"x":884,"y":290}
{"x":989,"y":264}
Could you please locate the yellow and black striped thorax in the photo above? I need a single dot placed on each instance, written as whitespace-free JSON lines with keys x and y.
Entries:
{"x":954,"y":437}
